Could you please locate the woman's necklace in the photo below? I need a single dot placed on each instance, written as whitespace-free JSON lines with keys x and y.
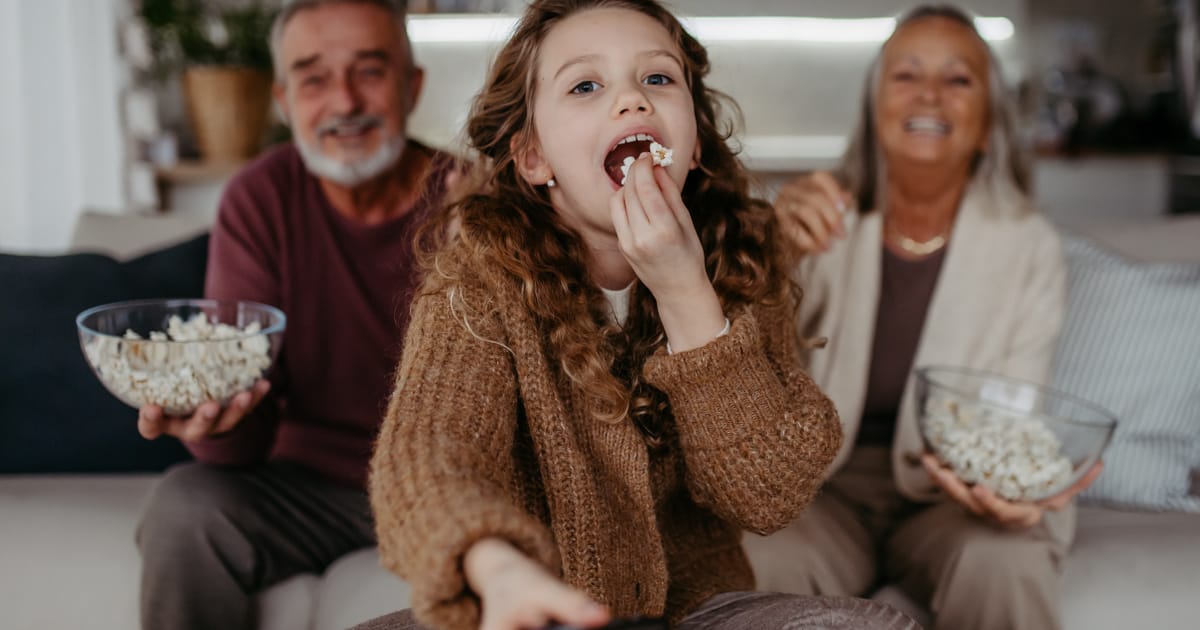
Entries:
{"x":915,"y":247}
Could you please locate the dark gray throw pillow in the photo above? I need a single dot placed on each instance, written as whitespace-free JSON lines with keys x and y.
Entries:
{"x":55,"y":416}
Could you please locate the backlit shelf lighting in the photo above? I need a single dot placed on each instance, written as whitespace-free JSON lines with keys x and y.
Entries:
{"x":445,"y":29}
{"x":791,"y":147}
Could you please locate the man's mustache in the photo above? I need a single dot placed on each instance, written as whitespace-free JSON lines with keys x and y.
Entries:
{"x":356,"y":122}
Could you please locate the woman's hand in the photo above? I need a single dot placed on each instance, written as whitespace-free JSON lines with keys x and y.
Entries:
{"x":984,"y":503}
{"x":519,"y":594}
{"x":810,"y":209}
{"x":657,"y":237}
{"x":209,"y":418}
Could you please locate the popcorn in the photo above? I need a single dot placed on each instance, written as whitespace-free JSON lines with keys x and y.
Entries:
{"x":662,"y":156}
{"x":625,"y":169}
{"x":180,"y":376}
{"x":1016,"y":456}
{"x":659,"y":155}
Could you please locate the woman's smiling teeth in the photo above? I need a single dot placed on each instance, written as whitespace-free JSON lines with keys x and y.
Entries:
{"x":924,"y":124}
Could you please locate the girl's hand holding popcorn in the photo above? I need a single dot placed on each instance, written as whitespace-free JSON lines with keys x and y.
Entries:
{"x":208,"y":420}
{"x":657,"y":237}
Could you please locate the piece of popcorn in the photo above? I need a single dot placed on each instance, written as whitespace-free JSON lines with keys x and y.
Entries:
{"x":662,"y":156}
{"x":659,"y":155}
{"x":625,"y":166}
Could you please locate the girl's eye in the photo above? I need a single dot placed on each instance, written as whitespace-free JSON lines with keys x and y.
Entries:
{"x":585,"y":87}
{"x":904,"y":75}
{"x":658,"y":79}
{"x":961,"y":80}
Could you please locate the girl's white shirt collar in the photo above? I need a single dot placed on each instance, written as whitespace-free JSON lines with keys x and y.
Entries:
{"x":618,"y":303}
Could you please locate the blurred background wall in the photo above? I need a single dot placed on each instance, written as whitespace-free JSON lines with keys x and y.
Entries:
{"x":89,"y":122}
{"x":61,"y":138}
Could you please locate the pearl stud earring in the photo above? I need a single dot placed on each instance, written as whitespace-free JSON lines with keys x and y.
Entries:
{"x":551,"y":183}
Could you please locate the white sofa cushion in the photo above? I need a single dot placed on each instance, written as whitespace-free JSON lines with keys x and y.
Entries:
{"x":70,"y":561}
{"x":1133,"y":570}
{"x":68,"y":550}
{"x":288,"y":605}
{"x":357,"y":588}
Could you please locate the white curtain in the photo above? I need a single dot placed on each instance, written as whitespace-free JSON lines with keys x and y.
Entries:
{"x":61,"y":147}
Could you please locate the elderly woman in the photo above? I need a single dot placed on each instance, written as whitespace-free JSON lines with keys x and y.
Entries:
{"x":924,"y":249}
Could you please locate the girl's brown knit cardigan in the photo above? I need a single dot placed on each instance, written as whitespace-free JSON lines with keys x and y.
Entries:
{"x":484,"y":436}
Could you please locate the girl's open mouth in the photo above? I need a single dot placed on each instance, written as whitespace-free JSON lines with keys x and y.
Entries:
{"x":630,"y":147}
{"x":617,"y":162}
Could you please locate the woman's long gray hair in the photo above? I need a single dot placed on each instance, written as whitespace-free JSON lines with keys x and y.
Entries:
{"x":1002,"y":172}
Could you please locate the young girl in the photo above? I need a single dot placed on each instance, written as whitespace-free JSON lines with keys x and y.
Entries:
{"x":599,"y":388}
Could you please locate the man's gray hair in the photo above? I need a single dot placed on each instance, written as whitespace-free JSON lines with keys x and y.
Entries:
{"x":398,"y":9}
{"x":1002,"y":171}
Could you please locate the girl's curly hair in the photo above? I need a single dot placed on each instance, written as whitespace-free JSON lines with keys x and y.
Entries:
{"x":503,"y":229}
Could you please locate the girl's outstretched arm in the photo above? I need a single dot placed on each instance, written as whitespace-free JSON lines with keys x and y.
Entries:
{"x":757,"y":433}
{"x":442,"y":474}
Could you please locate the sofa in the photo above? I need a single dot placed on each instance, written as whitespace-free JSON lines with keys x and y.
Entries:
{"x":74,"y":473}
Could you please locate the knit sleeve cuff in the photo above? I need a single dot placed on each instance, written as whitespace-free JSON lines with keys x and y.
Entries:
{"x":717,"y":361}
{"x":721,"y":333}
{"x":442,"y":597}
{"x":729,"y":378}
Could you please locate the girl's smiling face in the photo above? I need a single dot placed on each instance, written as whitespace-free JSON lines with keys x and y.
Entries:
{"x":605,"y":76}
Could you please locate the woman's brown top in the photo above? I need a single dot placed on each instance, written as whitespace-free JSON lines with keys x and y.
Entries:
{"x":485,"y":436}
{"x":905,"y":291}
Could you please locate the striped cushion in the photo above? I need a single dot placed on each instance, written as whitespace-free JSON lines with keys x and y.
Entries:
{"x":1131,"y":343}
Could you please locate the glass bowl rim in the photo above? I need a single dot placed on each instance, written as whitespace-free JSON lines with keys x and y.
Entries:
{"x":279,"y":326}
{"x":1107,"y":419}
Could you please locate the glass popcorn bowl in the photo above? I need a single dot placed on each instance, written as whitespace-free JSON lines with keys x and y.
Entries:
{"x":179,"y":353}
{"x":1026,"y":442}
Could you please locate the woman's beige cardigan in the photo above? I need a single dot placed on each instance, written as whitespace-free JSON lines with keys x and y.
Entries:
{"x":998,"y":305}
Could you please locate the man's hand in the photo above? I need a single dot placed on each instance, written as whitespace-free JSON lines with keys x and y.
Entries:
{"x":208,"y":420}
{"x":519,"y":594}
{"x":984,"y":503}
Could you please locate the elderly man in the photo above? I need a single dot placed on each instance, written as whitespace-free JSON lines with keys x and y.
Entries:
{"x":322,"y":229}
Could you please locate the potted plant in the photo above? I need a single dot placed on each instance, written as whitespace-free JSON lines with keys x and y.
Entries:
{"x":222,"y":53}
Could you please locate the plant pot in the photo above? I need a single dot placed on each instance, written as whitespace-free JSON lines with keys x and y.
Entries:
{"x":228,"y":109}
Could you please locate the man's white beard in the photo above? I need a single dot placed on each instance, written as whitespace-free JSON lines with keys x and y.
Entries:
{"x":357,"y":171}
